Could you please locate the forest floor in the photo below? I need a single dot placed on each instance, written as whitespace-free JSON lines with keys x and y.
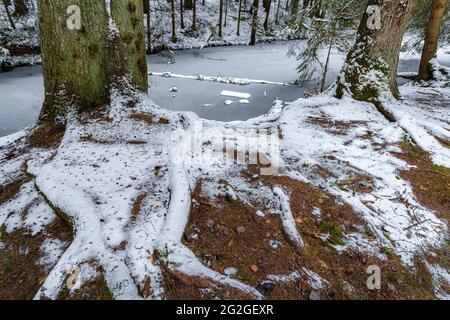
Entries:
{"x":138,"y":202}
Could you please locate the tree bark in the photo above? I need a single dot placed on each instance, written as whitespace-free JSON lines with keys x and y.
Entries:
{"x":371,"y":65}
{"x":432,"y":33}
{"x":74,"y":61}
{"x":128,"y":17}
{"x":83,"y":62}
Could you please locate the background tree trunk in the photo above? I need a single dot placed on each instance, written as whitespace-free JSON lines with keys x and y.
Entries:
{"x":267,"y":7}
{"x":431,"y":39}
{"x":194,"y":15}
{"x":148,"y":11}
{"x":21,"y":8}
{"x":188,"y":4}
{"x":220,"y":18}
{"x":8,"y":14}
{"x":371,"y":65}
{"x":174,"y":27}
{"x":239,"y":19}
{"x":255,"y":7}
{"x":181,"y":15}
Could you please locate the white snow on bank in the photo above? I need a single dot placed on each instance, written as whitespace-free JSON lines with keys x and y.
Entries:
{"x":234,"y":94}
{"x":225,"y":80}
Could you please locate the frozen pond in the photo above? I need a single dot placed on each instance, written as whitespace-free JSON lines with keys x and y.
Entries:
{"x":261,"y":62}
{"x":21,"y":90}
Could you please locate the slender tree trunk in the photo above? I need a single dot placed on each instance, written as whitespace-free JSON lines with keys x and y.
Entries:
{"x":83,"y":60}
{"x":181,"y":14}
{"x":194,"y":15}
{"x":239,"y":19}
{"x":8,"y":14}
{"x":220,"y":18}
{"x":226,"y":13}
{"x":431,"y":39}
{"x":254,"y":22}
{"x":327,"y":62}
{"x":174,"y":27}
{"x":277,"y":15}
{"x":267,"y":7}
{"x":21,"y":8}
{"x":371,"y":65}
{"x":188,"y":4}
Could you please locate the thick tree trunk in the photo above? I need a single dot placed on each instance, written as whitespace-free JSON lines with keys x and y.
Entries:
{"x":128,"y":18}
{"x":431,"y":39}
{"x":83,"y":60}
{"x":371,"y":65}
{"x":74,"y":59}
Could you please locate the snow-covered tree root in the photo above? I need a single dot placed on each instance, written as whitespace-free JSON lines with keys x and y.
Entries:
{"x":178,"y":256}
{"x":287,"y":219}
{"x":425,"y":121}
{"x":95,"y":178}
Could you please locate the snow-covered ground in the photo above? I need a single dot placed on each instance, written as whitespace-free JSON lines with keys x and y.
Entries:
{"x":99,"y":170}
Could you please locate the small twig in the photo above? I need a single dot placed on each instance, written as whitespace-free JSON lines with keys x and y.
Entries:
{"x":416,"y":224}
